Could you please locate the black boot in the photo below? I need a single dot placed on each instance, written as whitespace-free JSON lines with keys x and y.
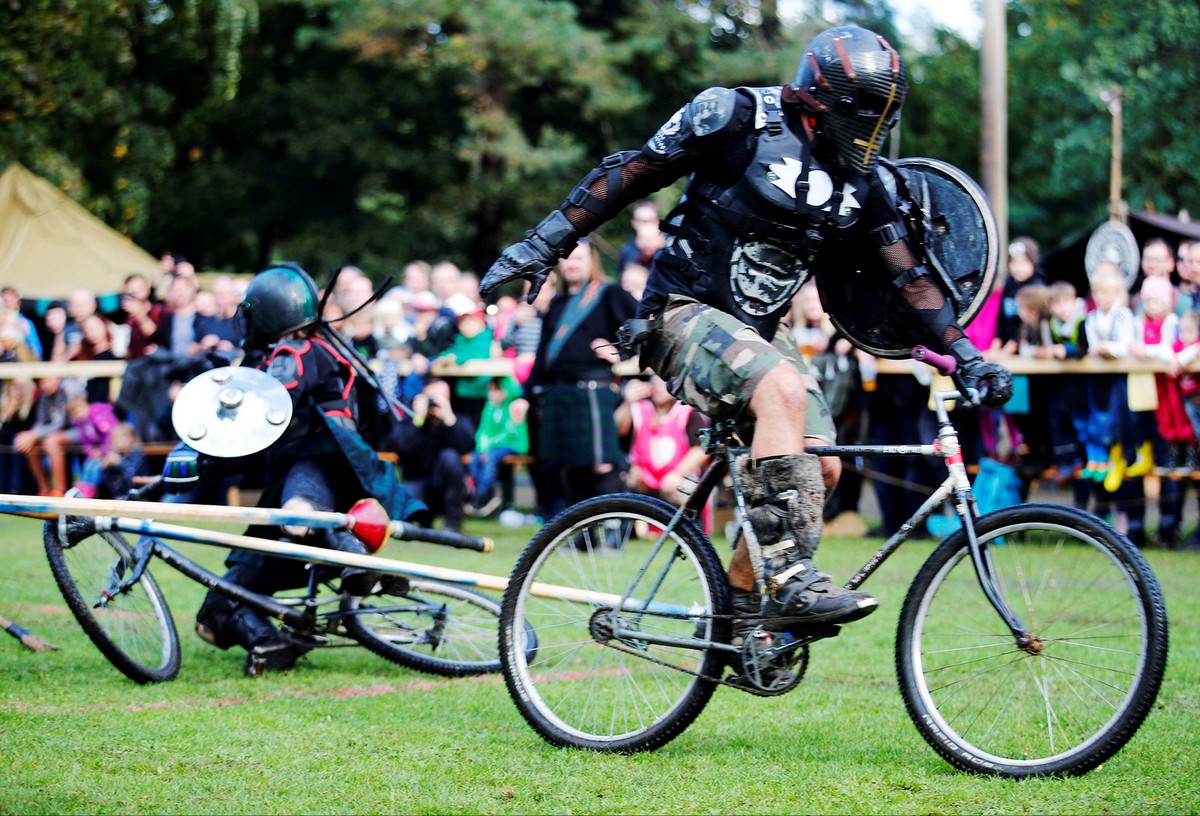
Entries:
{"x":267,"y":649}
{"x":785,"y":496}
{"x":355,"y":580}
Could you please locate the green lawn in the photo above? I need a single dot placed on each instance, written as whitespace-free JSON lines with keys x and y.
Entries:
{"x":348,"y":732}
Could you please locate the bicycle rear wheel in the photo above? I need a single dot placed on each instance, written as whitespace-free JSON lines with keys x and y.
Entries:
{"x":434,"y":627}
{"x":132,"y":628}
{"x":1075,"y":696}
{"x":602,"y":678}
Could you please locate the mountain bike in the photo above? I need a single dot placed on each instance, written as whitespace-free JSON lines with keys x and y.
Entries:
{"x":428,"y":625}
{"x":1031,"y":642}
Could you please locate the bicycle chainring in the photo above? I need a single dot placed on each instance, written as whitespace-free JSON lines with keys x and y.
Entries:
{"x":773,"y":663}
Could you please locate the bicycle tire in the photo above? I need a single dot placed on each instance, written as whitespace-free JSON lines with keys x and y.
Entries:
{"x":134,"y":629}
{"x":576,"y":691}
{"x":1075,"y":698}
{"x":403,"y":629}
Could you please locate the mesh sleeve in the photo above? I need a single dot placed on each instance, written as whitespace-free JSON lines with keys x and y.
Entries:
{"x":921,"y":297}
{"x":638,"y":178}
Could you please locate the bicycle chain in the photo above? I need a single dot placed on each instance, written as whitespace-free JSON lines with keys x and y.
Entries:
{"x":615,"y":645}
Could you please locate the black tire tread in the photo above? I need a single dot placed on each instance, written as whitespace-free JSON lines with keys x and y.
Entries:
{"x":408,"y":658}
{"x":662,"y":732}
{"x":83,"y":614}
{"x":1157,"y":641}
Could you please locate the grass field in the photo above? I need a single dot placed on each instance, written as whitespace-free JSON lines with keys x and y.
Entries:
{"x":346,"y":732}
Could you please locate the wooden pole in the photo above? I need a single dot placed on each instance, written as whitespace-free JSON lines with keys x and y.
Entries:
{"x":993,"y":160}
{"x":320,"y":555}
{"x":1112,"y":97}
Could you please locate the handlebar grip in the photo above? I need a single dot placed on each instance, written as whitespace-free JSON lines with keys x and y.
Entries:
{"x":944,"y":363}
{"x":151,"y":492}
{"x":404,"y":531}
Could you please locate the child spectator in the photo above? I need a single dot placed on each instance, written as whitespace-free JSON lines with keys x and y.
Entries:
{"x":1032,"y":310}
{"x":1187,"y":348}
{"x":1110,"y":334}
{"x":121,"y":463}
{"x":502,"y":432}
{"x":1022,"y":270}
{"x":1167,"y":427}
{"x":473,"y":342}
{"x":665,"y":443}
{"x":1161,"y":342}
{"x":1067,"y":397}
{"x":94,"y":422}
{"x":1158,"y":261}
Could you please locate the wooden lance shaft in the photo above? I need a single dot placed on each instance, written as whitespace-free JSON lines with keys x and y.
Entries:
{"x":320,"y":555}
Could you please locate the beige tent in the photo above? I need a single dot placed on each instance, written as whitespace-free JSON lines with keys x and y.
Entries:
{"x":49,"y":245}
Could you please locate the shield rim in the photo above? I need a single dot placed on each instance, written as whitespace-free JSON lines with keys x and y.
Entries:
{"x":991,"y":263}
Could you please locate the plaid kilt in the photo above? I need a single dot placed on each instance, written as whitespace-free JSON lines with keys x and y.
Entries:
{"x":578,"y":427}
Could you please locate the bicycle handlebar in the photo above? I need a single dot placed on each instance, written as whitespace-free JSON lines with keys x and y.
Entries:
{"x":405,"y":531}
{"x":944,"y":363}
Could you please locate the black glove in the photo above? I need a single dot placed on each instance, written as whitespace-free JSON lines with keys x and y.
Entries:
{"x":992,"y":381}
{"x":533,"y":258}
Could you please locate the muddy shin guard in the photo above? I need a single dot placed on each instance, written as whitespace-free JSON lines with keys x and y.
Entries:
{"x":785,"y":497}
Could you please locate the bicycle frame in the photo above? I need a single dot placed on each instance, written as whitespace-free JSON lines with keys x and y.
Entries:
{"x":719,"y":445}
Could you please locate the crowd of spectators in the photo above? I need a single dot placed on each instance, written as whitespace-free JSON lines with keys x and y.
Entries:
{"x":580,"y":430}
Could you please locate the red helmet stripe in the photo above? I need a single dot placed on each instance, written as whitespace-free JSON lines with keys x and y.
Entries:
{"x":844,"y":56}
{"x":887,"y":46}
{"x":817,"y":75}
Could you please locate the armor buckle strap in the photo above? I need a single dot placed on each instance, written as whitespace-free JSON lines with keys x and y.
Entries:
{"x":907,"y":277}
{"x":889,"y":234}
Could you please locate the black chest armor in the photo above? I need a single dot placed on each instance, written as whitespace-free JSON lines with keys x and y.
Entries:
{"x":746,"y":247}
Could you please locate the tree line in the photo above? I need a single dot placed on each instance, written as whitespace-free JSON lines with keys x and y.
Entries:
{"x":380,"y":131}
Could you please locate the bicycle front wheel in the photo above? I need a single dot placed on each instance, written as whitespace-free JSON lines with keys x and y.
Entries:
{"x":609,"y":676}
{"x":132,"y":627}
{"x":434,"y":627}
{"x":1074,"y":696}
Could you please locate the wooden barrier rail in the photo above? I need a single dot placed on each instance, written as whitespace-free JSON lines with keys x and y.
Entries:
{"x":501,"y":366}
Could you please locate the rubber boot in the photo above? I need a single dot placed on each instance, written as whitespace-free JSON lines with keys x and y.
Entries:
{"x":355,"y":580}
{"x":786,"y":495}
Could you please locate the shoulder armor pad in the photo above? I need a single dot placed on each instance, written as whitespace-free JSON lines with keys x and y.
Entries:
{"x":711,"y":110}
{"x":767,"y":104}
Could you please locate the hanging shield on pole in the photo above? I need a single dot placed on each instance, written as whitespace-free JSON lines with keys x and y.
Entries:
{"x":1113,"y":242}
{"x":950,"y":224}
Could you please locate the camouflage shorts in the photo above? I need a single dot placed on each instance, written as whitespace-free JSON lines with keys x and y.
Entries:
{"x":713,"y":361}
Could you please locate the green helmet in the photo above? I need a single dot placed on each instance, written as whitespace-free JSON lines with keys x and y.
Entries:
{"x":280,"y":299}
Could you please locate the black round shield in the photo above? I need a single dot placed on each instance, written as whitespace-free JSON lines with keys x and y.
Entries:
{"x":957,"y":229}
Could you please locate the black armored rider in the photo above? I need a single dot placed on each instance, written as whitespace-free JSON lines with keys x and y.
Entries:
{"x":785,"y":182}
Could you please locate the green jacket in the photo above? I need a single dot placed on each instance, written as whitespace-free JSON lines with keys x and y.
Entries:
{"x":496,"y":426}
